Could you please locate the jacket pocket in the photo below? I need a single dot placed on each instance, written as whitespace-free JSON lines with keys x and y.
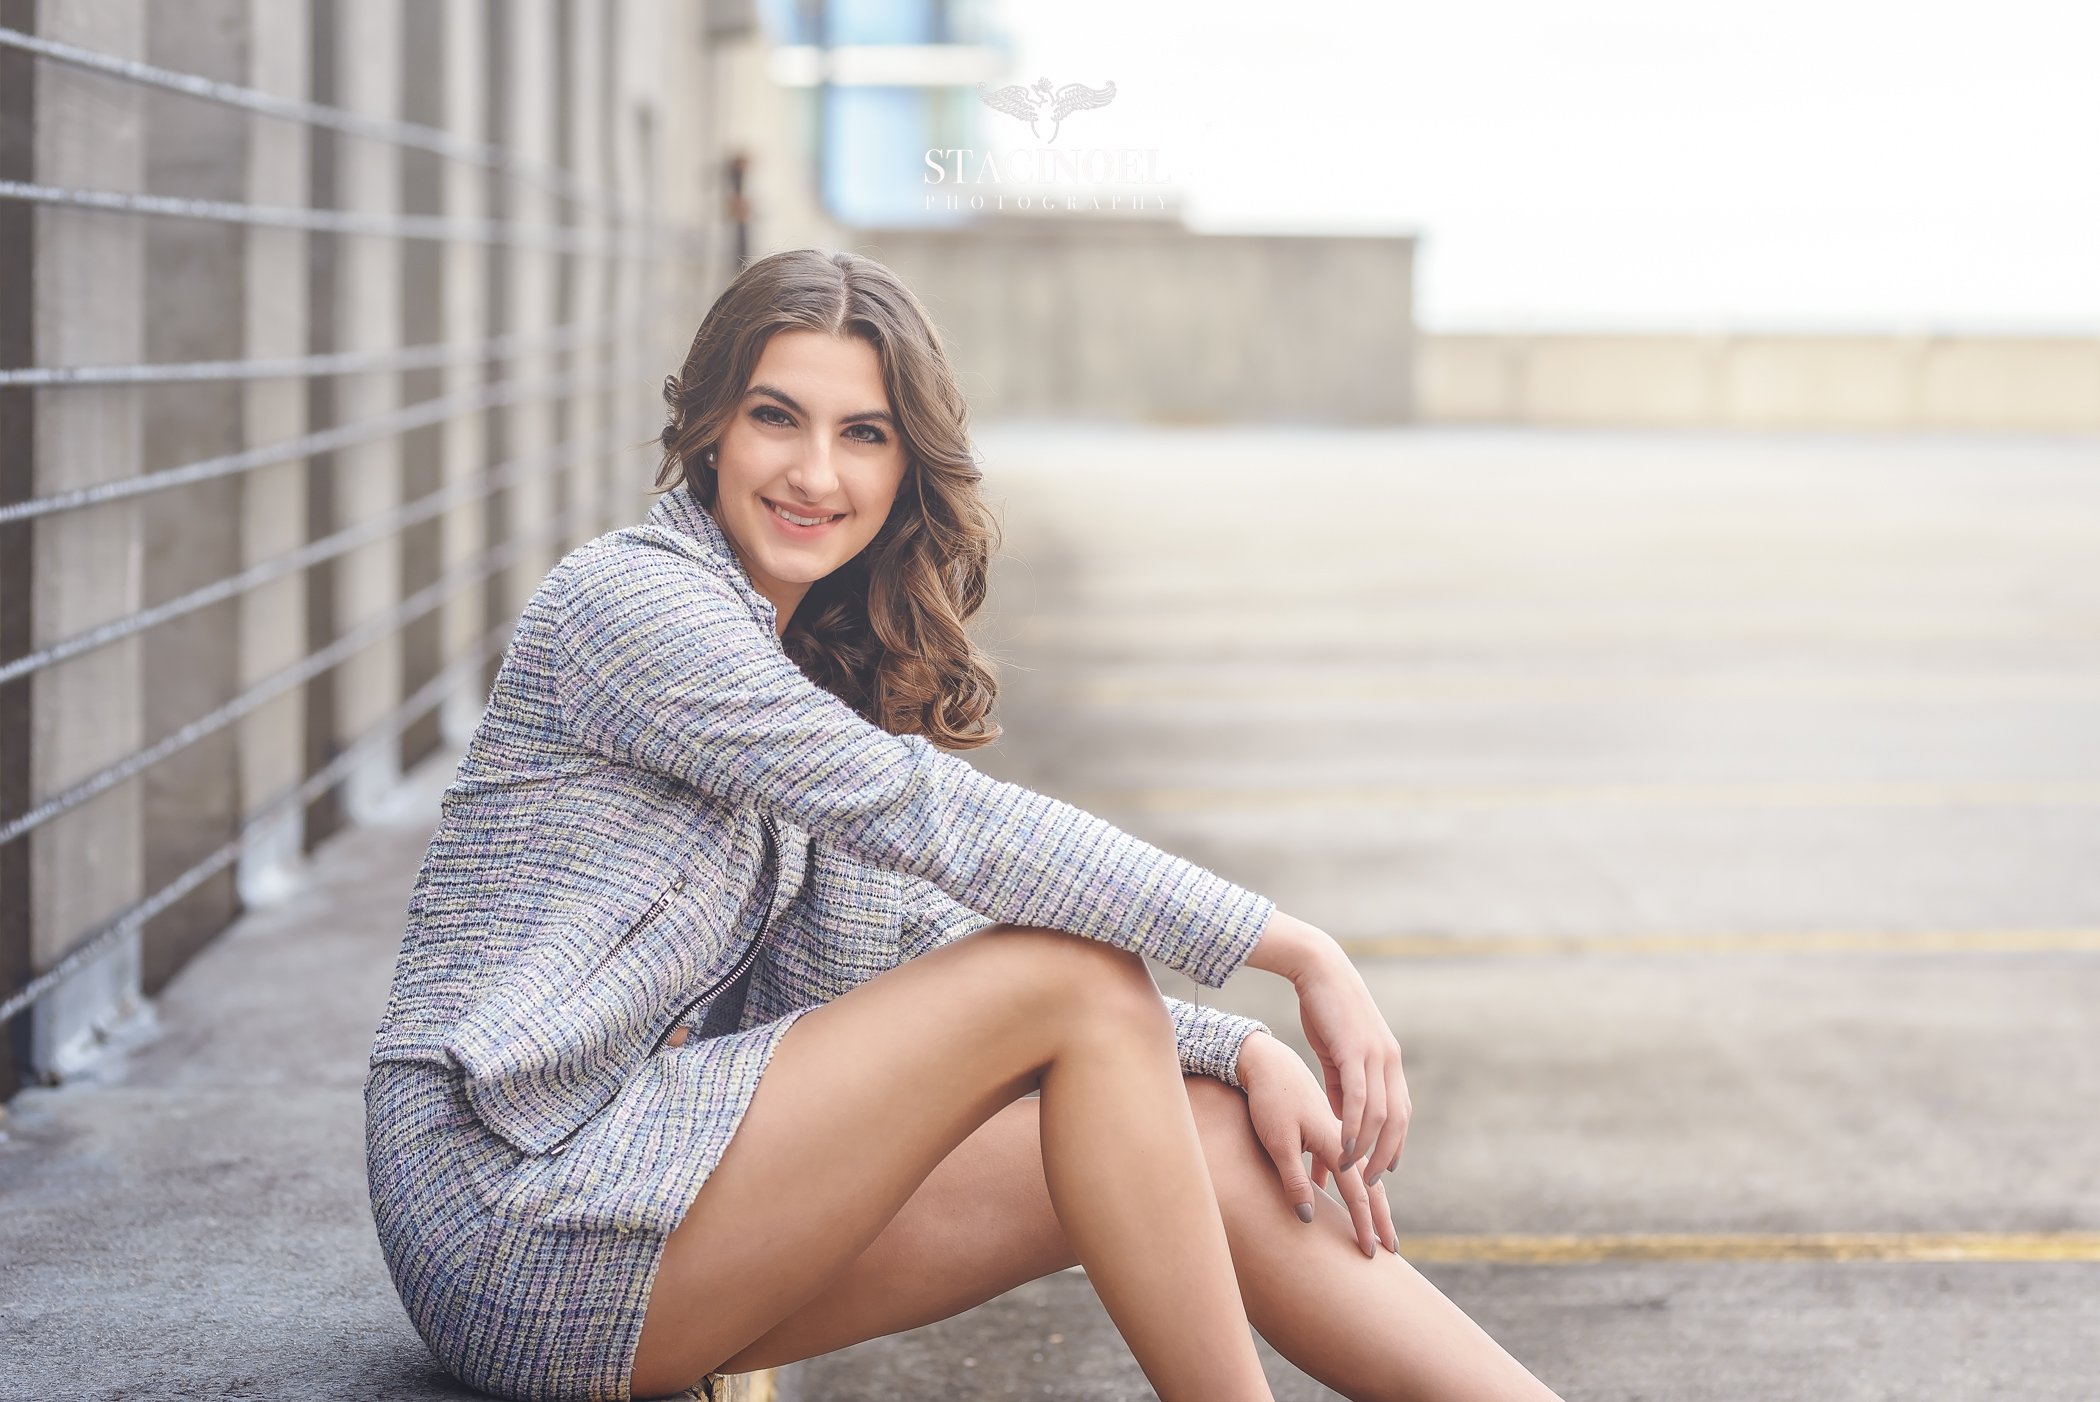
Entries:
{"x":550,"y":1039}
{"x":637,"y":925}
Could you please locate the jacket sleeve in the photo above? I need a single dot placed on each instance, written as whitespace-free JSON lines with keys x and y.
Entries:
{"x":661,"y":665}
{"x":1207,"y":1039}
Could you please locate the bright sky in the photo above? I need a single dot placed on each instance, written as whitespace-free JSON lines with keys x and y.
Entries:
{"x":1816,"y":164}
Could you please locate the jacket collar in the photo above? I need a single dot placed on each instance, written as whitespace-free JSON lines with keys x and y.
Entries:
{"x":679,"y":511}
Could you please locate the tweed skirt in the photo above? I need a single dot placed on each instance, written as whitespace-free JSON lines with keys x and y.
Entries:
{"x":507,"y":1305}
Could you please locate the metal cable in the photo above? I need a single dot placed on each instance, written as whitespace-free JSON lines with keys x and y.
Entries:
{"x":360,"y":362}
{"x":418,"y":415}
{"x":411,"y":134}
{"x":106,"y":935}
{"x":314,"y":552}
{"x":550,"y":238}
{"x":365,"y":634}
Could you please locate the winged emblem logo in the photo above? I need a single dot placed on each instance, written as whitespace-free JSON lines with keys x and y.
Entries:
{"x":1039,"y":102}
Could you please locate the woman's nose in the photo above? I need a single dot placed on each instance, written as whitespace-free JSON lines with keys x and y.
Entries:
{"x":814,"y":475}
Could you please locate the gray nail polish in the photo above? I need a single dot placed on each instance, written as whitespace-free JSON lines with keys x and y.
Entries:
{"x":1394,"y":1245}
{"x":1348,"y":1150}
{"x":1305,"y":1212}
{"x":1372,"y":1181}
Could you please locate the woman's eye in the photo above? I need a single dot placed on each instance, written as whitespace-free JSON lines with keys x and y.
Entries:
{"x":773,"y":414}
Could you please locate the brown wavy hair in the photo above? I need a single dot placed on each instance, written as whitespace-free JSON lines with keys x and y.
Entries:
{"x":884,"y":631}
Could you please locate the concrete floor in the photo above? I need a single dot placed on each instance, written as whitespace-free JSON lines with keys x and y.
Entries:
{"x":1714,"y":817}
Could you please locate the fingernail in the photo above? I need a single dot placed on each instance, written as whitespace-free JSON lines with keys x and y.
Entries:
{"x":1394,"y":1244}
{"x":1371,"y":1252}
{"x":1305,"y":1212}
{"x":1372,"y":1181}
{"x":1348,"y":1150}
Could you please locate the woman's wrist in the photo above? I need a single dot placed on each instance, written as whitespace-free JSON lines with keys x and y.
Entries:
{"x":1255,"y":1049}
{"x":1291,"y":948}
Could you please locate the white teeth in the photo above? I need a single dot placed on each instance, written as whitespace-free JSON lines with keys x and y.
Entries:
{"x":798,"y":520}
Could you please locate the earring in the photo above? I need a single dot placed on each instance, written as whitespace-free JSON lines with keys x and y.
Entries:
{"x":710,"y":457}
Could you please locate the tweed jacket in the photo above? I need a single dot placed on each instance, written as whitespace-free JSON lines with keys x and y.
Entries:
{"x":651,"y":780}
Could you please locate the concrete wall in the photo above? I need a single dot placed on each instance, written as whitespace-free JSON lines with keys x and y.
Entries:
{"x":195,"y":295}
{"x":85,"y":865}
{"x":1143,"y":320}
{"x":2041,"y":384}
{"x":605,"y":92}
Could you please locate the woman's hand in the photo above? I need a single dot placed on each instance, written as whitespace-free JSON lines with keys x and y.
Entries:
{"x":1290,"y":1116}
{"x":1359,"y":1057}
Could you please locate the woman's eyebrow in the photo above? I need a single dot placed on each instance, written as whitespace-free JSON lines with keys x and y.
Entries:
{"x":785,"y":398}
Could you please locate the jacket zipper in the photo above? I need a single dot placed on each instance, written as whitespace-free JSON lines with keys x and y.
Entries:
{"x":750,"y":953}
{"x":641,"y":923}
{"x":743,"y":962}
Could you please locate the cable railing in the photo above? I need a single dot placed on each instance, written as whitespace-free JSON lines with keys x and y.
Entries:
{"x":412,"y":135}
{"x":329,"y":547}
{"x":596,"y":381}
{"x":545,"y":238}
{"x":434,"y":356}
{"x":421,"y":414}
{"x":106,"y":936}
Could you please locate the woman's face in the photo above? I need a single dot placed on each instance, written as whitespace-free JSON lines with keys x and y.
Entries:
{"x":814,"y":437}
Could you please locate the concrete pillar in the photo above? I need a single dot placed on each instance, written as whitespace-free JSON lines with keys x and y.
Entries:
{"x":465,"y":299}
{"x":18,"y":86}
{"x":425,"y":64}
{"x":585,"y":282}
{"x":273,"y":322}
{"x":357,"y":306}
{"x":88,"y":298}
{"x":657,"y":85}
{"x":195,"y":294}
{"x":526,"y":103}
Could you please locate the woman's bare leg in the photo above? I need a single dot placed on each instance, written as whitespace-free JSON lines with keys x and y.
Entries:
{"x":867,"y":1095}
{"x":982,"y":1223}
{"x":1371,"y":1328}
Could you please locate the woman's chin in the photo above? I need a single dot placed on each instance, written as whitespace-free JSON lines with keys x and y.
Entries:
{"x":799,"y":566}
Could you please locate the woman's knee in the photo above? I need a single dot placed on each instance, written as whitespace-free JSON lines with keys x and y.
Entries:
{"x":1078,"y":977}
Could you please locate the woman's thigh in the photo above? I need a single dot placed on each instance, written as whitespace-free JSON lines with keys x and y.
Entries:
{"x":863,"y":1099}
{"x":980,"y":1225}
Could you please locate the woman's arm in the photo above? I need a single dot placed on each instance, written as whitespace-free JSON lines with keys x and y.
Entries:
{"x":1293,"y":949}
{"x":663,"y":666}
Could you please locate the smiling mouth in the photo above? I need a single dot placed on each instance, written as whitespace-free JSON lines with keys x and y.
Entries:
{"x":796,"y":519}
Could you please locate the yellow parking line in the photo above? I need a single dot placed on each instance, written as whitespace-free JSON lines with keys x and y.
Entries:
{"x":1302,"y":689}
{"x":2074,"y":940}
{"x":1883,"y":794}
{"x":1183,"y":626}
{"x":1817,"y":1246}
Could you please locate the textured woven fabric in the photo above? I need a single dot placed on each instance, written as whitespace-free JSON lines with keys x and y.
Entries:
{"x":508,"y":1304}
{"x":598,"y":862}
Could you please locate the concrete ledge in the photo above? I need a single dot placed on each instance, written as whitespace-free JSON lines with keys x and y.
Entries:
{"x":2019,"y":383}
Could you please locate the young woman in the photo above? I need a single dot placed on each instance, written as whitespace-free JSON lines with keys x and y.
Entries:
{"x":711,"y":1042}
